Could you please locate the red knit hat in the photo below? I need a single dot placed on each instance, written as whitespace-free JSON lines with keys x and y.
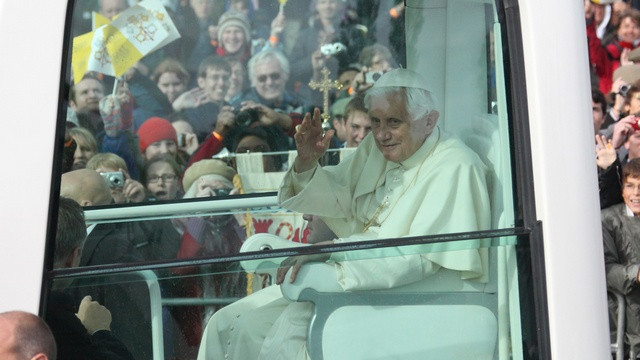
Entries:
{"x":155,"y":129}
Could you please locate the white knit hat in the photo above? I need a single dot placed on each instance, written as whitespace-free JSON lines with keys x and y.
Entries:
{"x":234,"y":18}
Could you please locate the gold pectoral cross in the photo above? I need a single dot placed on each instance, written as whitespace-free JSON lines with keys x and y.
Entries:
{"x":325,"y":85}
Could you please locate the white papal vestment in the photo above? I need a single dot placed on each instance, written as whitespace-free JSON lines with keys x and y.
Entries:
{"x":440,"y":189}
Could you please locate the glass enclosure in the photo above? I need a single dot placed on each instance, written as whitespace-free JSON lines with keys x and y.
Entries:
{"x":188,"y":111}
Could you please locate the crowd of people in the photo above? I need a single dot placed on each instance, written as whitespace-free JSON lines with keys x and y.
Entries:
{"x":613,"y":34}
{"x":238,"y":81}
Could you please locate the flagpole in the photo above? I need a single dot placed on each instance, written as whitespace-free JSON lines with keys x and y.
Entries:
{"x":115,"y":88}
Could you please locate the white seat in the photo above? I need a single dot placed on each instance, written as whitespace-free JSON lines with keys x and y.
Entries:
{"x":440,"y":317}
{"x":262,"y":242}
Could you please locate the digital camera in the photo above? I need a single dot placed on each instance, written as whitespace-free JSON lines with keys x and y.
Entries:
{"x":222,"y":192}
{"x":332,"y":49}
{"x":247,"y":117}
{"x":372,"y":76}
{"x":623,"y":90}
{"x":115,"y":179}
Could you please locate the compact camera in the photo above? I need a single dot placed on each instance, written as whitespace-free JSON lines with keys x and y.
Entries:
{"x":332,"y":49}
{"x":247,"y":117}
{"x":635,"y":125}
{"x":115,"y":179}
{"x":372,"y":76}
{"x":623,"y":90}
{"x":222,"y":192}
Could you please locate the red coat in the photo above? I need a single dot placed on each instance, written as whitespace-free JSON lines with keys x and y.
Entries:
{"x":605,"y":59}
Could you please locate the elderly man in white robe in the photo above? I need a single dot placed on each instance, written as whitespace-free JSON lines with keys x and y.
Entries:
{"x":407,"y":178}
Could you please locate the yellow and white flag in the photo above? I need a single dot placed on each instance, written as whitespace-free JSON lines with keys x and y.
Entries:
{"x":114,"y":47}
{"x":161,"y":14}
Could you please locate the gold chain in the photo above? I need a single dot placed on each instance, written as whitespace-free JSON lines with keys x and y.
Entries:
{"x":385,"y":201}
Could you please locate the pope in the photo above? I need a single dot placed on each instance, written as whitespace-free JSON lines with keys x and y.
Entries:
{"x":407,"y":178}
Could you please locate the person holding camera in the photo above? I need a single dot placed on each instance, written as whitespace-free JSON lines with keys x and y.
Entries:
{"x":249,"y":114}
{"x":606,"y":59}
{"x":216,"y":235}
{"x":113,"y":169}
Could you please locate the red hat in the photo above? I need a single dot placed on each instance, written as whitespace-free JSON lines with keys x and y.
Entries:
{"x":155,"y":129}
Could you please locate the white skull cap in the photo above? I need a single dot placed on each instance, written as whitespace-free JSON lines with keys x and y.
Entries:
{"x":401,"y":78}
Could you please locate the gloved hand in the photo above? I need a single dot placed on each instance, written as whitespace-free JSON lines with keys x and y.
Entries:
{"x":94,"y":316}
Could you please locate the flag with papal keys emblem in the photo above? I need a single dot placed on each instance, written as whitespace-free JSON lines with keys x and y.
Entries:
{"x":114,"y":47}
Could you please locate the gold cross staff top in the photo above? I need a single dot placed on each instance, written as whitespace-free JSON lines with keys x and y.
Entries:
{"x":325,"y":85}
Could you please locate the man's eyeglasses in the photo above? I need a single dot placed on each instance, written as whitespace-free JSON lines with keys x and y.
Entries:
{"x":165,"y":178}
{"x":273,"y":76}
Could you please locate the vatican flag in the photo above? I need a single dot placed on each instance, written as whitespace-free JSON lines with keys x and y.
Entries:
{"x":114,"y":47}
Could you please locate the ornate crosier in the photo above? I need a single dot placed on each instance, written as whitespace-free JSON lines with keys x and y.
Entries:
{"x":325,"y":85}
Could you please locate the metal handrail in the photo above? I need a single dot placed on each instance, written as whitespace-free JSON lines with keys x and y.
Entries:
{"x":155,"y":211}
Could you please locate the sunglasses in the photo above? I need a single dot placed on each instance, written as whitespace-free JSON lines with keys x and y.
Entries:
{"x":273,"y":76}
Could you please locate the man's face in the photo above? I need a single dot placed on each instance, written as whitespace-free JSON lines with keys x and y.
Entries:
{"x":378,"y":63}
{"x":160,"y":148}
{"x":232,"y":39}
{"x":396,"y":133}
{"x":357,"y":127}
{"x":631,"y":194}
{"x":88,"y":93}
{"x":237,"y":80}
{"x":252,"y":144}
{"x":82,"y":155}
{"x":215,"y":83}
{"x":633,"y":145}
{"x":111,"y":8}
{"x":598,"y":116}
{"x":171,"y":85}
{"x":162,"y":181}
{"x":269,"y":80}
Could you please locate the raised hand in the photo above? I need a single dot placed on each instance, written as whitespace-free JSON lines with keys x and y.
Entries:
{"x":190,"y":99}
{"x":606,"y":153}
{"x":310,"y":142}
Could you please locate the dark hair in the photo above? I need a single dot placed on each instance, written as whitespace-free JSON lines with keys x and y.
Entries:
{"x":367,"y":54}
{"x":269,"y":134}
{"x":355,"y":104}
{"x":598,"y":98}
{"x":213,"y":62}
{"x":32,"y":334}
{"x":159,"y":158}
{"x":632,"y":13}
{"x":89,"y":75}
{"x":631,"y":169}
{"x":70,"y":232}
{"x":633,"y":89}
